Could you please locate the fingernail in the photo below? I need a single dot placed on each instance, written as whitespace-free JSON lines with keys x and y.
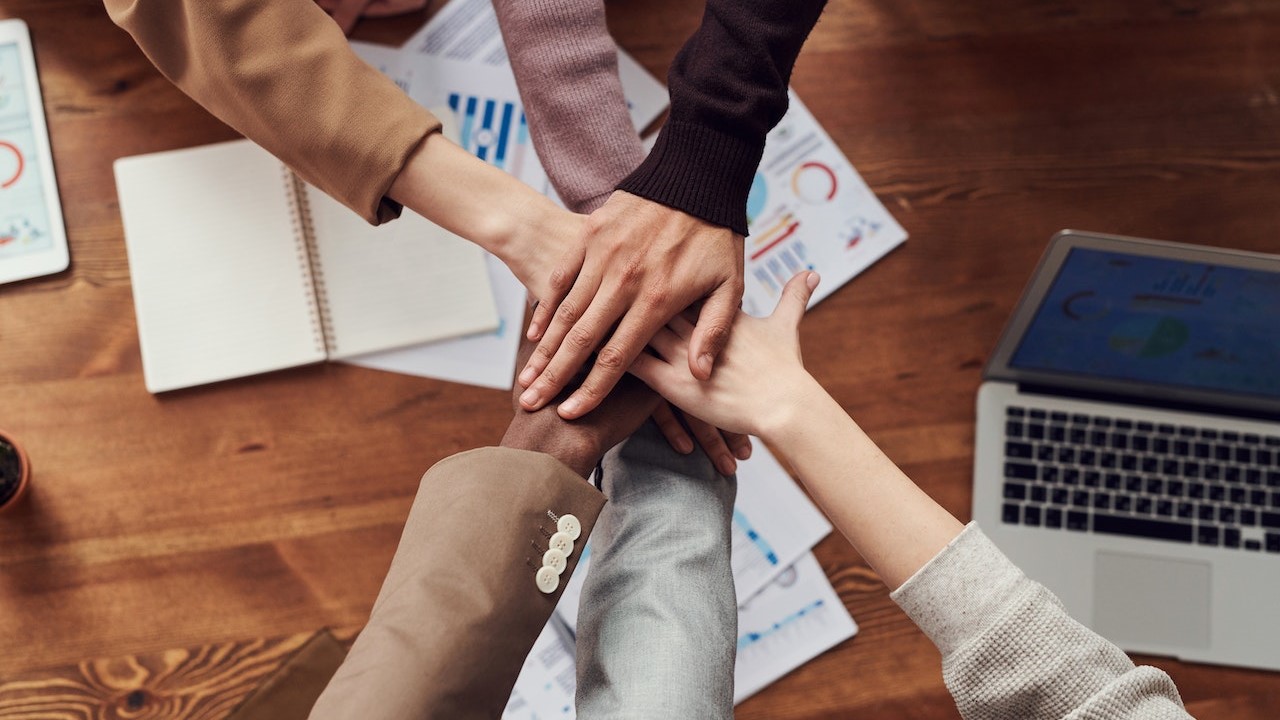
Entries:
{"x":570,"y":406}
{"x":529,"y":398}
{"x":526,"y":376}
{"x":812,"y":280}
{"x":744,"y":452}
{"x":704,"y":362}
{"x":684,"y":446}
{"x":726,"y":465}
{"x":533,"y":331}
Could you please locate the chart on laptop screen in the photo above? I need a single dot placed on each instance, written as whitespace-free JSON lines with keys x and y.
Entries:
{"x":1160,"y":321}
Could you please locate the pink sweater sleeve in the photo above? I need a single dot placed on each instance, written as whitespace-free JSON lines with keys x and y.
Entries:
{"x":566,"y":65}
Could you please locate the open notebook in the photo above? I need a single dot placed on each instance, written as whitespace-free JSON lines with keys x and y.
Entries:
{"x":240,"y":268}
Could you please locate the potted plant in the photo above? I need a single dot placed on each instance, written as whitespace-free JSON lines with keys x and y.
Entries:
{"x":15,"y":471}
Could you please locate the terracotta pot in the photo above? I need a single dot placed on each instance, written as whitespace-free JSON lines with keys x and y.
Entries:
{"x":24,"y":471}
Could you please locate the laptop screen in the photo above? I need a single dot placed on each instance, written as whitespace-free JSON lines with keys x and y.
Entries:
{"x":1159,"y":321}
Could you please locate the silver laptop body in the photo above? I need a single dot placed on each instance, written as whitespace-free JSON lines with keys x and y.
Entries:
{"x":1128,"y":444}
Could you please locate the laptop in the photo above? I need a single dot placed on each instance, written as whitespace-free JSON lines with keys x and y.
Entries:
{"x":1128,"y":444}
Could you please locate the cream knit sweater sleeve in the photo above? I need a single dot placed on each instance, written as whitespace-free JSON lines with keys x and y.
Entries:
{"x":1009,"y":649}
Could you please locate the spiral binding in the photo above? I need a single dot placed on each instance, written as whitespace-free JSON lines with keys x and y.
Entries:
{"x":309,"y":263}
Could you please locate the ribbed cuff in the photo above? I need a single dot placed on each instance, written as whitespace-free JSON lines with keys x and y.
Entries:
{"x":700,"y":171}
{"x":959,"y":593}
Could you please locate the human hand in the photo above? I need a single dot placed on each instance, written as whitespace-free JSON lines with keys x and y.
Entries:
{"x":760,"y":379}
{"x":581,"y":443}
{"x":549,"y":245}
{"x":537,"y":240}
{"x":643,"y":264}
{"x":722,"y":447}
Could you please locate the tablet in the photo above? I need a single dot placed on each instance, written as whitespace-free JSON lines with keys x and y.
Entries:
{"x":33,"y":240}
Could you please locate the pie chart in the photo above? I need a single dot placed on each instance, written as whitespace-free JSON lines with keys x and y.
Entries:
{"x":11,"y":164}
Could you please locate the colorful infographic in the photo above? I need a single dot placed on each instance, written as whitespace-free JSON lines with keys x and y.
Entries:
{"x":491,"y":119}
{"x":24,"y":223}
{"x":809,"y":210}
{"x":494,"y":131}
{"x":1158,"y":320}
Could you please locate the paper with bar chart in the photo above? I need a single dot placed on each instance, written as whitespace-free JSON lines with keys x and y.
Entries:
{"x":774,"y":523}
{"x":809,"y":209}
{"x":792,"y":621}
{"x":486,"y":103}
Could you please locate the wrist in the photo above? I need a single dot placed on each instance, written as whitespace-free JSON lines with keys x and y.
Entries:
{"x":525,"y":433}
{"x":447,"y":185}
{"x":539,"y":242}
{"x":794,"y":409}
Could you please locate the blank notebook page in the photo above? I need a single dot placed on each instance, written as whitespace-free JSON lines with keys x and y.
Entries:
{"x":218,"y":280}
{"x":404,"y":282}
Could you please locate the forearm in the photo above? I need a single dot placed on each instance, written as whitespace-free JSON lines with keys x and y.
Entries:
{"x":887,"y":518}
{"x":1009,"y":648}
{"x":566,"y":66}
{"x":728,"y":89}
{"x":447,"y":185}
{"x":282,"y":74}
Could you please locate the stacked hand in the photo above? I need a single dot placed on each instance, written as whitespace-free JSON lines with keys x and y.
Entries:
{"x":735,"y":398}
{"x":580,"y":444}
{"x":634,"y":264}
{"x":643,"y":265}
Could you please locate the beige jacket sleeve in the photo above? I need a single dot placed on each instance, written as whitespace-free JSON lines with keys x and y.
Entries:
{"x":281,"y":73}
{"x":460,"y":609}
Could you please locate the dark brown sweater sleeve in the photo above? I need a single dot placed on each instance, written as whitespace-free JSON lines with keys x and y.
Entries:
{"x":281,"y":73}
{"x":728,"y":89}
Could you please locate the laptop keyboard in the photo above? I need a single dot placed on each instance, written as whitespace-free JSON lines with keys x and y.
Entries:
{"x":1089,"y":473}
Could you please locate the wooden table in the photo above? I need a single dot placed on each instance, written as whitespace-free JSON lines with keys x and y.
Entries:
{"x":236,"y":519}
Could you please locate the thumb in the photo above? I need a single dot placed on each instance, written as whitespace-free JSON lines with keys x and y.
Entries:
{"x":795,"y":298}
{"x":711,"y":334}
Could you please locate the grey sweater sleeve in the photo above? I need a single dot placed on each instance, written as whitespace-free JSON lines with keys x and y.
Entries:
{"x":1010,"y":650}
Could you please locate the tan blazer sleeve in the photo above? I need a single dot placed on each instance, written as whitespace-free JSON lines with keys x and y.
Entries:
{"x":281,"y":73}
{"x":460,"y":609}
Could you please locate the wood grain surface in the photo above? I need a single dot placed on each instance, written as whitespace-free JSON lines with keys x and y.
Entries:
{"x":235,"y":520}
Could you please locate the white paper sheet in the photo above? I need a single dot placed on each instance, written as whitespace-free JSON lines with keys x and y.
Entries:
{"x":789,"y":623}
{"x":547,"y":682}
{"x":487,"y":360}
{"x":810,"y":210}
{"x":774,"y":523}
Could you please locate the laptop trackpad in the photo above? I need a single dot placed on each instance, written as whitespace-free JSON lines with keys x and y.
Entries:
{"x":1151,"y":601}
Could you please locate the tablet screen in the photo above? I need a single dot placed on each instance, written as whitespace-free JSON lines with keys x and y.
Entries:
{"x":1156,"y":320}
{"x":24,"y":217}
